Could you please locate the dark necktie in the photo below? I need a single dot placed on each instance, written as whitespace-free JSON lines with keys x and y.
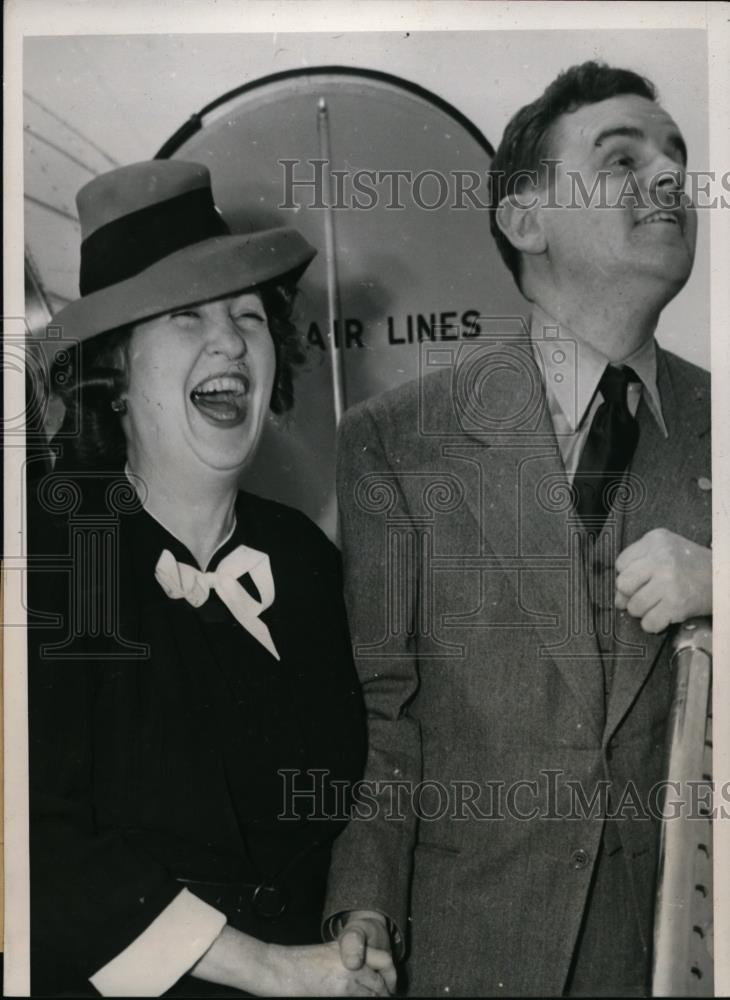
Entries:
{"x":608,"y":450}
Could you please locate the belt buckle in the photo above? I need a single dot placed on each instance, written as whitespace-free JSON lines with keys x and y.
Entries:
{"x":270,"y":901}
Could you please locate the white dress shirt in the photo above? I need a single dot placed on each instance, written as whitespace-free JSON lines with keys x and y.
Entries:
{"x":571,"y":370}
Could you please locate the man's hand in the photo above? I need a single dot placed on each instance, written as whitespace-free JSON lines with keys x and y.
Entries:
{"x":316,"y":970}
{"x":363,"y":939}
{"x":664,"y":579}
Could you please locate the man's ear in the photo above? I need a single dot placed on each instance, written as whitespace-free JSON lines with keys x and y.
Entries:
{"x":521,"y":222}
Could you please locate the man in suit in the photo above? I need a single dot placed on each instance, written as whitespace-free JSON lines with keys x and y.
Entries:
{"x":520,"y":530}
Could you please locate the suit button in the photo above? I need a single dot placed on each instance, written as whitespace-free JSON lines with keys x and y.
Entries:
{"x":578,"y":859}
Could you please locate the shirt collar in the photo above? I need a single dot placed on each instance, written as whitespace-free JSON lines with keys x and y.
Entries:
{"x":572,"y":369}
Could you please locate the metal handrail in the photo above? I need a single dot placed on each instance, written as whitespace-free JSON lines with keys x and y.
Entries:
{"x":683,"y":964}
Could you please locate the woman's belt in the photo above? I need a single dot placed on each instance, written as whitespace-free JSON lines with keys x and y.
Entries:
{"x":269,"y":898}
{"x":268,"y":901}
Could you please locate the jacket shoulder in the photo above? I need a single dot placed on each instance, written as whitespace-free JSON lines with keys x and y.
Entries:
{"x":690,"y":392}
{"x":688,"y":375}
{"x":399,"y":409}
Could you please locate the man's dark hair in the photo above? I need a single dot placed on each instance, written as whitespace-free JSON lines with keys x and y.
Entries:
{"x":526,"y":140}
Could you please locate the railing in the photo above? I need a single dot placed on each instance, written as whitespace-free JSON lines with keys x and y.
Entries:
{"x":683,"y":964}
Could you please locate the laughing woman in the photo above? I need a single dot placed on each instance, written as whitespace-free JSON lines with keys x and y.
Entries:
{"x":196,"y":711}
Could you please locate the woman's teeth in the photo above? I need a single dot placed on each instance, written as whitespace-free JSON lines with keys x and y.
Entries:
{"x":222,"y":383}
{"x":222,"y":399}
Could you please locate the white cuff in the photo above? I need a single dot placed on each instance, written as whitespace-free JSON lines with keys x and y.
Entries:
{"x":175,"y":940}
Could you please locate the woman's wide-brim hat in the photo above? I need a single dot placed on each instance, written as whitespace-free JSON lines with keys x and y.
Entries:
{"x":153,"y":240}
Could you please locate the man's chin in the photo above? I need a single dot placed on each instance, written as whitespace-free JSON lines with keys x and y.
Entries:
{"x":667,"y":273}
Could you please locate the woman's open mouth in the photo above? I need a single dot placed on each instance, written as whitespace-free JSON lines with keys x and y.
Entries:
{"x":222,"y":399}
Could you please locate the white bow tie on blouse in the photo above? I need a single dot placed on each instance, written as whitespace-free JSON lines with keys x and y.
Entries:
{"x":181,"y":580}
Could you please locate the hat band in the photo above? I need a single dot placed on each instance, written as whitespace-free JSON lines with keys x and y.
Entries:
{"x":132,"y":243}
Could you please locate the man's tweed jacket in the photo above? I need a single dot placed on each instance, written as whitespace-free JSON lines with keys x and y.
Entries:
{"x":484,"y":668}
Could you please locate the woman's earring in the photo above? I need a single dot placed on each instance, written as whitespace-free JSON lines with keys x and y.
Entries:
{"x":119,"y":405}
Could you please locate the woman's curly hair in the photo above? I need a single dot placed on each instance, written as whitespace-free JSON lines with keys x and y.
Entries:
{"x":94,"y":375}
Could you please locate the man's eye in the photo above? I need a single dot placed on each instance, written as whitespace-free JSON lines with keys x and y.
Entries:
{"x":185,"y":314}
{"x":622,"y":160}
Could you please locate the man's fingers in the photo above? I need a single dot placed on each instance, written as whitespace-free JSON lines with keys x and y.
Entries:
{"x":391,"y":979}
{"x":355,"y":989}
{"x":636,"y":574}
{"x":648,"y":605}
{"x":655,"y":620}
{"x":646,"y":598}
{"x":365,"y":949}
{"x":656,"y":540}
{"x":372,"y":982}
{"x":637,"y":550}
{"x":382,"y":962}
{"x":352,"y":948}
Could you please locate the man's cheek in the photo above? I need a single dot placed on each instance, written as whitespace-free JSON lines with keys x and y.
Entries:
{"x":691,"y":228}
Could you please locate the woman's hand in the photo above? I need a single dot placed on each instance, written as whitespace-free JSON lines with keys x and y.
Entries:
{"x":316,"y":970}
{"x":274,"y":970}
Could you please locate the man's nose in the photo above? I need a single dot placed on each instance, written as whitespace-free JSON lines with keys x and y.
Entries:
{"x":666,"y":182}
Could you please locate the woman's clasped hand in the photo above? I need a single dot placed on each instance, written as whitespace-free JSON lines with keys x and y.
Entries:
{"x":294,"y":970}
{"x":201,"y":650}
{"x":311,"y":970}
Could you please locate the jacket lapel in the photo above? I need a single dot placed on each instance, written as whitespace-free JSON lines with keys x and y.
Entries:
{"x":524,"y":512}
{"x":526,"y":530}
{"x":669,"y":469}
